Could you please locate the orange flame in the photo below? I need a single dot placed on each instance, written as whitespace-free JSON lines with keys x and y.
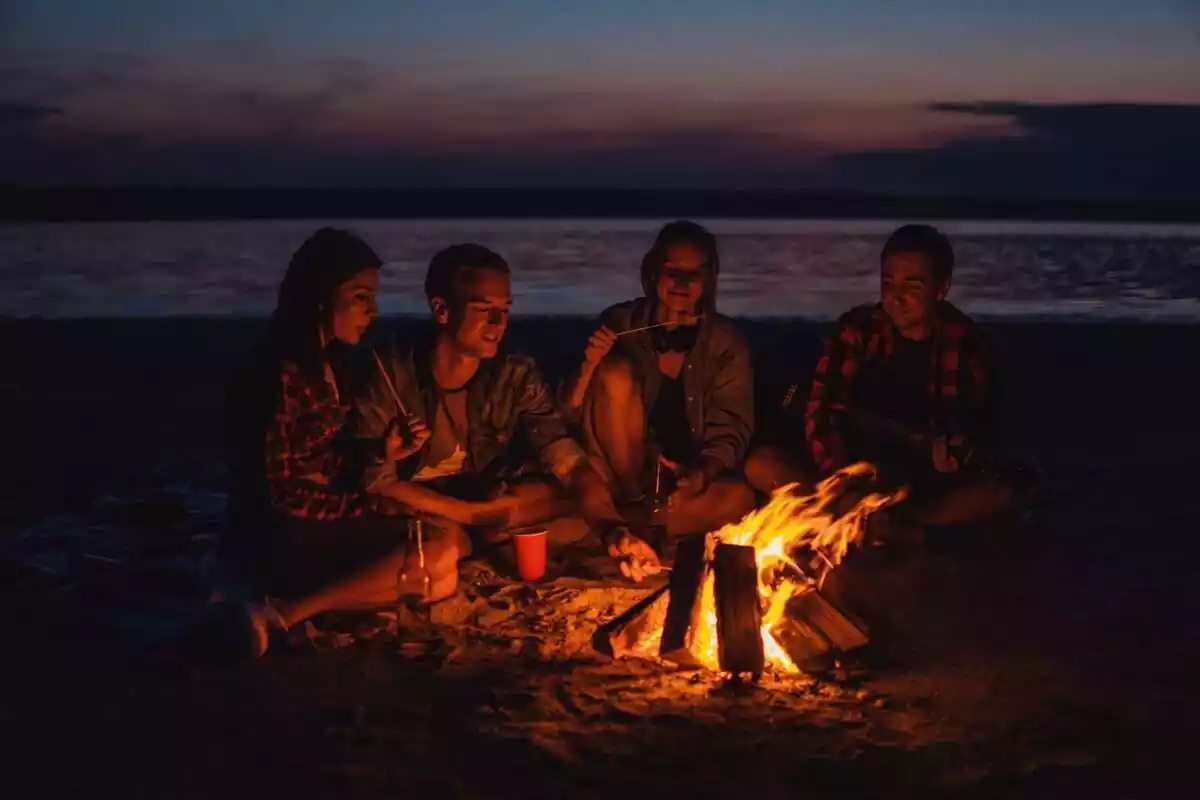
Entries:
{"x":818,"y":528}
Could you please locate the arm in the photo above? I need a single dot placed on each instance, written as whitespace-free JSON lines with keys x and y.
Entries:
{"x":414,"y":498}
{"x":574,"y":389}
{"x":972,"y":432}
{"x":289,"y":490}
{"x":637,"y":559}
{"x":560,"y":454}
{"x":829,"y":397}
{"x":729,"y":416}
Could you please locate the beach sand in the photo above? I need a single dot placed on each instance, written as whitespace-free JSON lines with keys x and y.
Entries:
{"x":1064,"y":663}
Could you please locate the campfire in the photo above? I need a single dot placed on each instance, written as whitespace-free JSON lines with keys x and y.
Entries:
{"x":749,"y":595}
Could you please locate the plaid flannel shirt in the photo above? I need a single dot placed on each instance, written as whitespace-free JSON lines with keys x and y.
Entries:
{"x":304,"y":459}
{"x":959,"y":388}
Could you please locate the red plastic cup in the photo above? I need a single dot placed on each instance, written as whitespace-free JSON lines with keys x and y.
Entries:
{"x":529,"y":547}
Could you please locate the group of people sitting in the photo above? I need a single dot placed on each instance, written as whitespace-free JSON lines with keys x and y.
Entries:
{"x":338,"y":442}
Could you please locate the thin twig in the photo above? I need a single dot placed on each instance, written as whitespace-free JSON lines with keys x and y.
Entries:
{"x":391,"y":386}
{"x":657,"y":325}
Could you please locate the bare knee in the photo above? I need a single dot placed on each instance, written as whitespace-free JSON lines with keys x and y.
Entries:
{"x":616,"y":376}
{"x":770,"y":466}
{"x":735,"y":495}
{"x":441,"y":563}
{"x":727,"y":500}
{"x":442,"y":556}
{"x":444,"y":532}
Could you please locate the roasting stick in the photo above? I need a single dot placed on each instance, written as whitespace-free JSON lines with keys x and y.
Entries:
{"x":388,"y":381}
{"x":415,"y":530}
{"x":676,"y":323}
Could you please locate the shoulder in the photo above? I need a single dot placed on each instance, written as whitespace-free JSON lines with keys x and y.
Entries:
{"x":391,"y":343}
{"x":958,"y":325}
{"x":864,"y":316}
{"x":728,"y":334}
{"x":515,"y":376}
{"x":394,"y":350}
{"x":859,"y":322}
{"x":516,"y":367}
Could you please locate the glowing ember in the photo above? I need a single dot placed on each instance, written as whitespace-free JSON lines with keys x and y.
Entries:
{"x":797,"y":539}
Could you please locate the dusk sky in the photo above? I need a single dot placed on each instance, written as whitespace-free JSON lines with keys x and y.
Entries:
{"x":1063,"y":98}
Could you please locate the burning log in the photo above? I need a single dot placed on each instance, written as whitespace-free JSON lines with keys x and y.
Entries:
{"x":683,"y":611}
{"x":802,"y":643}
{"x":839,"y":629}
{"x":712,"y":613}
{"x":739,"y":614}
{"x":638,"y":625}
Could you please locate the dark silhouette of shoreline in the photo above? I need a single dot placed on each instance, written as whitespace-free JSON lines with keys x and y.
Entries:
{"x":83,"y":203}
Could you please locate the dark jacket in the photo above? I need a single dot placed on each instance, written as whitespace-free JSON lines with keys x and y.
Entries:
{"x":718,"y":378}
{"x":506,"y":396}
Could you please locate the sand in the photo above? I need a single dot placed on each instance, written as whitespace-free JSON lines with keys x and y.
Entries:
{"x":1062,"y":662}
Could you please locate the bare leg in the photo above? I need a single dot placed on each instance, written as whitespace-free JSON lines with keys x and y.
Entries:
{"x":726,"y":500}
{"x":379,"y":583}
{"x":614,"y":426}
{"x":770,"y":466}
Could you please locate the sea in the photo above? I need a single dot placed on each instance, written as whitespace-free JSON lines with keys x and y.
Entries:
{"x":813,"y":269}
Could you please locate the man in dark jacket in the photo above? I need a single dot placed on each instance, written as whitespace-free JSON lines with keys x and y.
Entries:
{"x":665,"y":394}
{"x":909,"y":385}
{"x":465,"y":401}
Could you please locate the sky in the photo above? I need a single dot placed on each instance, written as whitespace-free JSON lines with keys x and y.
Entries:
{"x":1028,"y":98}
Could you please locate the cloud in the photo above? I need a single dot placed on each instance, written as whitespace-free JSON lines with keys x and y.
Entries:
{"x":16,"y":115}
{"x":239,"y":113}
{"x":1114,"y":150}
{"x":220,"y":93}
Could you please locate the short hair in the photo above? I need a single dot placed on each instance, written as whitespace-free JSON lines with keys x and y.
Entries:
{"x":444,"y":276}
{"x":927,"y":241}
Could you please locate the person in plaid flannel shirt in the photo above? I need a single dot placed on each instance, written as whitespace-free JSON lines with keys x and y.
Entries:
{"x":909,"y":385}
{"x":303,"y":531}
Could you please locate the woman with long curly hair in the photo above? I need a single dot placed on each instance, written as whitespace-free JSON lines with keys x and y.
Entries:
{"x":305,"y":534}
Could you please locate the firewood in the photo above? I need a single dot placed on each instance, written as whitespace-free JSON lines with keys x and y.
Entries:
{"x":739,"y":614}
{"x":687,"y":576}
{"x":800,"y":641}
{"x":618,"y":636}
{"x":840,"y":630}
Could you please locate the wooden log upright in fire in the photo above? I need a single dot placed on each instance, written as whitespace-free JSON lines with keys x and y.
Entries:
{"x":683,"y":610}
{"x":812,"y":627}
{"x":739,"y":612}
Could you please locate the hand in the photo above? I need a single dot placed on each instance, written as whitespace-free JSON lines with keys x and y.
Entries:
{"x":391,"y":507}
{"x":599,"y":343}
{"x":689,"y":481}
{"x":405,"y":436}
{"x":637,"y":558}
{"x":943,"y":461}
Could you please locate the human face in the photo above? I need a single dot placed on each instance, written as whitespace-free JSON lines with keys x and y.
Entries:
{"x":909,"y":292}
{"x":681,"y":278}
{"x":354,"y":306}
{"x":478,"y":323}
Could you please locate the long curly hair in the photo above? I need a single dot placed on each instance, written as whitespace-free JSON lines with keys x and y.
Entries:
{"x":683,"y":232}
{"x":325,"y":261}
